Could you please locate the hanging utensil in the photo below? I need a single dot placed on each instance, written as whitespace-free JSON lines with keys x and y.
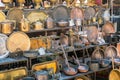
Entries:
{"x":68,"y":70}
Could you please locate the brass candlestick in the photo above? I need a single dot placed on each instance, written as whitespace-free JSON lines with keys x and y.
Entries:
{"x":53,"y":2}
{"x":37,"y":2}
{"x":6,"y":2}
{"x":68,"y":2}
{"x":21,"y":3}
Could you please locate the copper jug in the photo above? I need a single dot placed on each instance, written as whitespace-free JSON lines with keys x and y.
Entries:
{"x":24,"y":25}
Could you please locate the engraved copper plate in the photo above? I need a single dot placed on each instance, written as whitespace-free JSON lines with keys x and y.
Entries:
{"x":15,"y":14}
{"x":34,"y":16}
{"x":77,"y":13}
{"x":60,"y":13}
{"x":18,"y":40}
{"x":89,"y":13}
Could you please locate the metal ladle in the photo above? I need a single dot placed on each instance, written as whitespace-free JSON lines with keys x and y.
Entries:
{"x":68,"y":70}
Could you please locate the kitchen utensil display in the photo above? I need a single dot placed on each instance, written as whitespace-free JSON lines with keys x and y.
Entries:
{"x":18,"y":40}
{"x":68,"y":70}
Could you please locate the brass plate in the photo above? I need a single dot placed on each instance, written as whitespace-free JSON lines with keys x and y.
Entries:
{"x":18,"y":40}
{"x":12,"y":74}
{"x":15,"y":14}
{"x":2,"y":16}
{"x":34,"y":16}
{"x":82,"y":78}
{"x":114,"y":75}
{"x":45,"y":65}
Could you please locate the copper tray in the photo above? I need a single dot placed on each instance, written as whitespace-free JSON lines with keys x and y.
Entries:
{"x":89,"y":13}
{"x":60,"y":13}
{"x":107,"y":28}
{"x":13,"y":74}
{"x":45,"y":65}
{"x":2,"y":16}
{"x":18,"y":41}
{"x":110,"y":51}
{"x":77,"y":13}
{"x":92,"y":33}
{"x":34,"y":16}
{"x":15,"y":14}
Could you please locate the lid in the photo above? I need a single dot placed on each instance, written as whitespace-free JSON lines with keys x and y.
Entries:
{"x":18,"y":40}
{"x":34,"y":16}
{"x":60,"y":13}
{"x":2,"y":16}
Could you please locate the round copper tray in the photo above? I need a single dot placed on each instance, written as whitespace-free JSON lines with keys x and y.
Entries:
{"x":2,"y":16}
{"x":34,"y":16}
{"x":92,"y":33}
{"x":60,"y":13}
{"x":18,"y":41}
{"x":77,"y":13}
{"x":89,"y":13}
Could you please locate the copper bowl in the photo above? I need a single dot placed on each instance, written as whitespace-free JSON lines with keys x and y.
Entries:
{"x":62,"y":23}
{"x":83,"y":68}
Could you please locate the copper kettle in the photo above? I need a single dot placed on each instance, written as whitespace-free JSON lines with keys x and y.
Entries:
{"x":24,"y":25}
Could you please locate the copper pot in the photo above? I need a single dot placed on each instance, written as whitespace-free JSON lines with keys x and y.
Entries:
{"x":6,"y":27}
